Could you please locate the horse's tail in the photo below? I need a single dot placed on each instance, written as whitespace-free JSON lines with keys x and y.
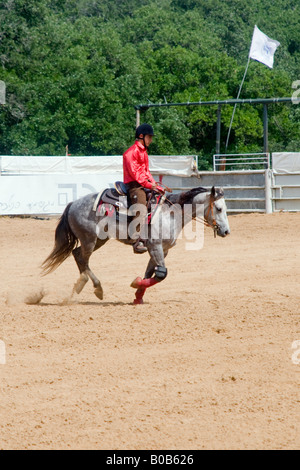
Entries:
{"x":65,"y":242}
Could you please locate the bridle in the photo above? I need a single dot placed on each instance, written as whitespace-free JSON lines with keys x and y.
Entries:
{"x":210,"y":211}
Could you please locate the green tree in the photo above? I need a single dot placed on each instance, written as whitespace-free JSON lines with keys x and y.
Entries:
{"x":75,"y":69}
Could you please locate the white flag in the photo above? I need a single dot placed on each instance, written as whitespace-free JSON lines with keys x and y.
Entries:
{"x":263,"y":48}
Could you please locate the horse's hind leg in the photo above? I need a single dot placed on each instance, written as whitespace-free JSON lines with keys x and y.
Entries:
{"x":82,"y":255}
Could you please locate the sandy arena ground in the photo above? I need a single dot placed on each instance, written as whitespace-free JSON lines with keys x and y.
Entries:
{"x":206,"y":363}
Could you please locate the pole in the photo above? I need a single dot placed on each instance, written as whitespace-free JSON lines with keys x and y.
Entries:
{"x":268,"y":173}
{"x":144,"y":107}
{"x":138,"y":117}
{"x":218,"y":141}
{"x":266,"y":129}
{"x":268,"y":191}
{"x":233,"y":112}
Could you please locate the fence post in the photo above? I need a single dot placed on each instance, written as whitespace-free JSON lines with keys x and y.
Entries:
{"x":268,"y":191}
{"x":266,"y":129}
{"x":218,"y":138}
{"x":138,"y":118}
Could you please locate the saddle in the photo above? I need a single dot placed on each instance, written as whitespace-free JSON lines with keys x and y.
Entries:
{"x":116,"y":202}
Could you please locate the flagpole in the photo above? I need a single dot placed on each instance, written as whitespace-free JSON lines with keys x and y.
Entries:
{"x":241,"y":86}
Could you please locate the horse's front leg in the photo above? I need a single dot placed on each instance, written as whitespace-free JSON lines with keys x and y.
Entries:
{"x":155,"y":272}
{"x":140,"y":284}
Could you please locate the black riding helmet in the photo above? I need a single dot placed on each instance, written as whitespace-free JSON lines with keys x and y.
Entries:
{"x":144,"y":129}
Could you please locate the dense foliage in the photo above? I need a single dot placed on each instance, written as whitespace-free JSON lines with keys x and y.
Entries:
{"x":74,"y":69}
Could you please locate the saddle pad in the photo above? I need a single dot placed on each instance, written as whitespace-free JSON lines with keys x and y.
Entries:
{"x":97,"y":200}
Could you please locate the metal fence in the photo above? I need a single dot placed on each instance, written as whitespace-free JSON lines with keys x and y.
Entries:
{"x":244,"y":190}
{"x":279,"y":192}
{"x":286,"y":192}
{"x":241,"y":161}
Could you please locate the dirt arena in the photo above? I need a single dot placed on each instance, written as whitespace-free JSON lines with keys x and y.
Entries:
{"x":206,"y":363}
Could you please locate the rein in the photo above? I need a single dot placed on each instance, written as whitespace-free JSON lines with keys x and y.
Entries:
{"x":204,"y":221}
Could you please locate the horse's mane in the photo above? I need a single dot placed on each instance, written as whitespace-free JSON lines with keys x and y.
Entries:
{"x":187,"y":196}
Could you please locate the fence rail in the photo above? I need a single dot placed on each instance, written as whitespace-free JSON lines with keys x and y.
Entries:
{"x":245,"y":160}
{"x":286,"y":192}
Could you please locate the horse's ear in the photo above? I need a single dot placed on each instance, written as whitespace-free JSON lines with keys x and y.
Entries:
{"x":213,"y":191}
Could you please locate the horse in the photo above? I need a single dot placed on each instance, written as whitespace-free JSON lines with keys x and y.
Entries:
{"x":82,"y":222}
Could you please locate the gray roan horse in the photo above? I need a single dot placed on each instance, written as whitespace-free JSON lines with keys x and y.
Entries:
{"x":80,"y":222}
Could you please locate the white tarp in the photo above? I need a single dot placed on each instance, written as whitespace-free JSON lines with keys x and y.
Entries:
{"x":18,"y":165}
{"x":47,"y":194}
{"x":45,"y":185}
{"x":286,"y":162}
{"x":178,"y":165}
{"x":166,"y":165}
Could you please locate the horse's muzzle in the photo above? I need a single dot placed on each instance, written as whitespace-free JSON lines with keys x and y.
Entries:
{"x":223,"y":233}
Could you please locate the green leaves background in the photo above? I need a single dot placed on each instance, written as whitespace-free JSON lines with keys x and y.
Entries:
{"x":75,"y":69}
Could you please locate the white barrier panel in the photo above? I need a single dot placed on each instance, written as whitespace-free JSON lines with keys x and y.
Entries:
{"x":45,"y":185}
{"x":286,"y":162}
{"x":48,"y":194}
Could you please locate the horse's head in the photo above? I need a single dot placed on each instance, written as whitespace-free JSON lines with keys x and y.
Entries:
{"x":216,"y":212}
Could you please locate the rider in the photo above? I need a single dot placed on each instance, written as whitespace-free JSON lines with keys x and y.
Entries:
{"x":137,"y":175}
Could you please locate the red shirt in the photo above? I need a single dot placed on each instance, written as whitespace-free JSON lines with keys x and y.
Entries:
{"x":136,"y":166}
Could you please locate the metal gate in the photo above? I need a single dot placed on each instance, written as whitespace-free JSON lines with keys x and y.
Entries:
{"x":245,"y":190}
{"x":286,"y":192}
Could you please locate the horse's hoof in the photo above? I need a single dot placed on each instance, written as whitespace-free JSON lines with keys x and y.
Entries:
{"x":99,"y":292}
{"x":79,"y":285}
{"x":138,"y":302}
{"x":136,"y":283}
